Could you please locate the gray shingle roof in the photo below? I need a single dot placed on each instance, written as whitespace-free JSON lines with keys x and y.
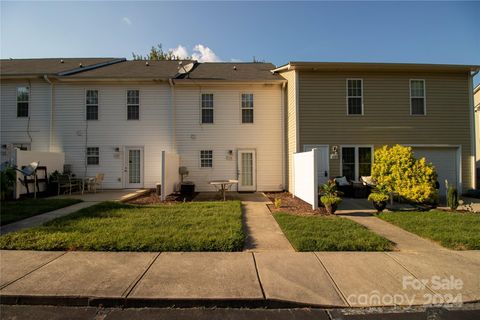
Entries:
{"x":230,"y":71}
{"x":134,"y":69}
{"x":50,"y":66}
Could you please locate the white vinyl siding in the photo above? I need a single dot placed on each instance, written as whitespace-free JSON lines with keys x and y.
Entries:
{"x":229,"y":134}
{"x":153,"y":131}
{"x":33,"y":130}
{"x":417,"y":97}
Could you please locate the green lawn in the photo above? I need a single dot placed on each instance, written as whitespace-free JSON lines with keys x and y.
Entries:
{"x":111,"y":226}
{"x":459,"y":231}
{"x":12,"y":211}
{"x":325,"y":233}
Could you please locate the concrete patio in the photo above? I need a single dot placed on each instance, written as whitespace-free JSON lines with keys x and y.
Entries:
{"x":322,"y":279}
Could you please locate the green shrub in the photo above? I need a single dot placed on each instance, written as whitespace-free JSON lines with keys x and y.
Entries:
{"x":7,"y":181}
{"x":330,"y":200}
{"x":397,"y":170}
{"x":330,"y":189}
{"x":452,"y":198}
{"x":378,"y":197}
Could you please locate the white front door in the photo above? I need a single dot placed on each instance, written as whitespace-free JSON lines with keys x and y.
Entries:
{"x":134,"y":167}
{"x":323,"y":173}
{"x":247,"y":176}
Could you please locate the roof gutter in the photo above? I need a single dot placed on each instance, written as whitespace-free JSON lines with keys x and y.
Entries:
{"x":286,"y":67}
{"x":174,"y":115}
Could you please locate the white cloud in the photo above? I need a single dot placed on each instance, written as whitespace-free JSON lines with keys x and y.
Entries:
{"x":180,"y":52}
{"x":127,"y":20}
{"x":200,"y":53}
{"x":204,"y":54}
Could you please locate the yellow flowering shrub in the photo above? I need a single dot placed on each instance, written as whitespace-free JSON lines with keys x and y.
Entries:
{"x":396,"y":169}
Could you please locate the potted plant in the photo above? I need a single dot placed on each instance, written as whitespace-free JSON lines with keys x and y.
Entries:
{"x":331,"y":196}
{"x":379,"y":198}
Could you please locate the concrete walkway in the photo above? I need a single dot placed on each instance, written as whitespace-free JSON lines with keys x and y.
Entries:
{"x":89,"y":199}
{"x":241,"y":279}
{"x":262,"y":230}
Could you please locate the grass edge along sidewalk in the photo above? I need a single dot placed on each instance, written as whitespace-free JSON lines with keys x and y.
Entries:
{"x":329,"y":233}
{"x":454,"y":230}
{"x":13,"y":211}
{"x":113,"y":226}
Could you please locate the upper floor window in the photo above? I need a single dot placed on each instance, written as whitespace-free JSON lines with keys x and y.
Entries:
{"x":133,"y":105}
{"x":417,"y":97}
{"x":91,"y":102}
{"x":207,"y":108}
{"x":93,"y":156}
{"x":354,"y":96}
{"x":247,"y":108}
{"x":206,"y":159}
{"x":23,"y":100}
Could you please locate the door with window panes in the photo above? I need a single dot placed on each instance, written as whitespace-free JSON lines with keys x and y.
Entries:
{"x":356,"y":162}
{"x":247,"y":177}
{"x":134,"y":167}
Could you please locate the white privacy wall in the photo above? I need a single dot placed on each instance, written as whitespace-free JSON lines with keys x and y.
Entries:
{"x":52,"y":160}
{"x":170,"y":176}
{"x":305,"y":177}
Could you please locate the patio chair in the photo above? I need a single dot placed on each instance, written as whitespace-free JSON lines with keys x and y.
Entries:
{"x":65,"y":183}
{"x":345,"y":186}
{"x":98,"y":181}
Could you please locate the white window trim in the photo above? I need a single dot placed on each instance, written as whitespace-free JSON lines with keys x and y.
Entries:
{"x":200,"y":159}
{"x":16,"y":99}
{"x":212,"y":108}
{"x":424,"y":97}
{"x":242,"y":108}
{"x":347,"y":96}
{"x":98,"y":104}
{"x":357,"y":167}
{"x":86,"y":156}
{"x":126,"y":103}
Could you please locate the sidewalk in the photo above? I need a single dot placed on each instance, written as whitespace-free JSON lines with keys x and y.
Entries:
{"x":241,"y":279}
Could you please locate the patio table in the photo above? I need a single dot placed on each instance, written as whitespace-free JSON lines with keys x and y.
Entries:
{"x":223,"y":185}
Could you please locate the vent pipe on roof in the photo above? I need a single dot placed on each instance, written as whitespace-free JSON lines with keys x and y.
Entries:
{"x":61,"y":61}
{"x":147,"y":64}
{"x":235,"y":68}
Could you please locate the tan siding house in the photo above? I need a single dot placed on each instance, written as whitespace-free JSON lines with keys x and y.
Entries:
{"x":442,"y":134}
{"x":476,"y":101}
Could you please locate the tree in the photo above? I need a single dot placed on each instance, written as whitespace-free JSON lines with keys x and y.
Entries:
{"x":396,"y":169}
{"x":157,"y":53}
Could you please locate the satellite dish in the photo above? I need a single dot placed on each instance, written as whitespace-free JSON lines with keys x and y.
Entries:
{"x":183,"y":69}
{"x":30,"y":169}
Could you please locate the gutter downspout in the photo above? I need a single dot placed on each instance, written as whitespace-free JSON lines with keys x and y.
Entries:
{"x":283,"y":110}
{"x":473,"y":142}
{"x":52,"y":109}
{"x":174,"y":115}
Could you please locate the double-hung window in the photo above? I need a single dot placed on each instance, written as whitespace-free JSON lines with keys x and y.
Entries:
{"x":354,"y":96}
{"x":247,"y":108}
{"x":417,"y":97}
{"x":91,"y":102}
{"x":133,"y":105}
{"x":356,"y":162}
{"x":207,"y":108}
{"x":93,"y":156}
{"x":23,"y":100}
{"x":206,"y":158}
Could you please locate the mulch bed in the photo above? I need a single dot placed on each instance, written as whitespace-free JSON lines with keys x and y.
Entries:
{"x":151,"y":198}
{"x":292,"y":205}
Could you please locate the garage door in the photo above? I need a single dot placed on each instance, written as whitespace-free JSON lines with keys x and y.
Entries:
{"x":445,"y":161}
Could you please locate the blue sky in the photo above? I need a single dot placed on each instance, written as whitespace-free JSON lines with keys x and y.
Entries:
{"x":424,"y":32}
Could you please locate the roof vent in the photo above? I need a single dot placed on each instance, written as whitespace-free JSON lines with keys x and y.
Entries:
{"x":80,"y":65}
{"x":147,"y":64}
{"x":61,"y":61}
{"x":235,"y":68}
